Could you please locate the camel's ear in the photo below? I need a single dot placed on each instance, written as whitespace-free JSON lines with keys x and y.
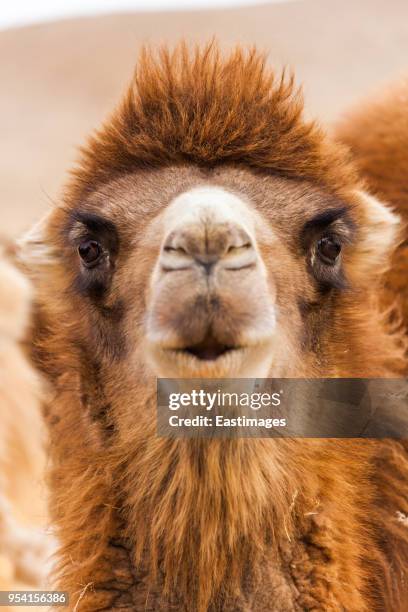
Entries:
{"x":15,"y":300}
{"x":35,"y":250}
{"x":380,"y":232}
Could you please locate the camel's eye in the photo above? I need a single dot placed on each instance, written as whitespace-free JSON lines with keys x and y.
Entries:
{"x":90,"y":251}
{"x":328,"y":249}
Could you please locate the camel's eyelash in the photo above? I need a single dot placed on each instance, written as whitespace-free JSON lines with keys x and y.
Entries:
{"x":327,"y":217}
{"x":335,"y":222}
{"x":93,"y":222}
{"x":90,"y":225}
{"x":338,"y":217}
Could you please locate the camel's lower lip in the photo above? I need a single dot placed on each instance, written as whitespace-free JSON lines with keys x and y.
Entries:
{"x":208,"y":353}
{"x":209,"y":348}
{"x":203,"y":356}
{"x":228,"y":362}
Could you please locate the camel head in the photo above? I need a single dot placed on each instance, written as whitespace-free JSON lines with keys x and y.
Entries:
{"x":209,"y":230}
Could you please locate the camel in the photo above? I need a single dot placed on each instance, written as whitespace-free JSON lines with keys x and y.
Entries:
{"x":25,"y":550}
{"x":209,"y":230}
{"x":376,"y":134}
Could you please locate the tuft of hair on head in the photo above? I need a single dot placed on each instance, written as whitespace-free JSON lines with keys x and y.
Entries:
{"x":201,"y":106}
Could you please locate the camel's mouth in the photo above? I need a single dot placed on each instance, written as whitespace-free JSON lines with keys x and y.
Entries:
{"x":210,"y":358}
{"x":208,"y":349}
{"x":213,"y":353}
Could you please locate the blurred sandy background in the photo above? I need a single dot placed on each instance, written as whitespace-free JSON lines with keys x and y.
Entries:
{"x":58,"y":80}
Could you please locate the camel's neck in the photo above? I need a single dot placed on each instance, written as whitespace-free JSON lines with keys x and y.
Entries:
{"x":210,"y":508}
{"x":139,"y":514}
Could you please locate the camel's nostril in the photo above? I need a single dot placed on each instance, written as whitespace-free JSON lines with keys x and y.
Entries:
{"x":241,"y":255}
{"x":235,"y":248}
{"x":172,"y":249}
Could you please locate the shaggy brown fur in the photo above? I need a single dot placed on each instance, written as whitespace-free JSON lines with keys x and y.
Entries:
{"x":147,"y":523}
{"x":209,"y":111}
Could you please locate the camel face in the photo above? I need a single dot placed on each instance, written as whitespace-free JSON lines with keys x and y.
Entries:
{"x":214,"y":273}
